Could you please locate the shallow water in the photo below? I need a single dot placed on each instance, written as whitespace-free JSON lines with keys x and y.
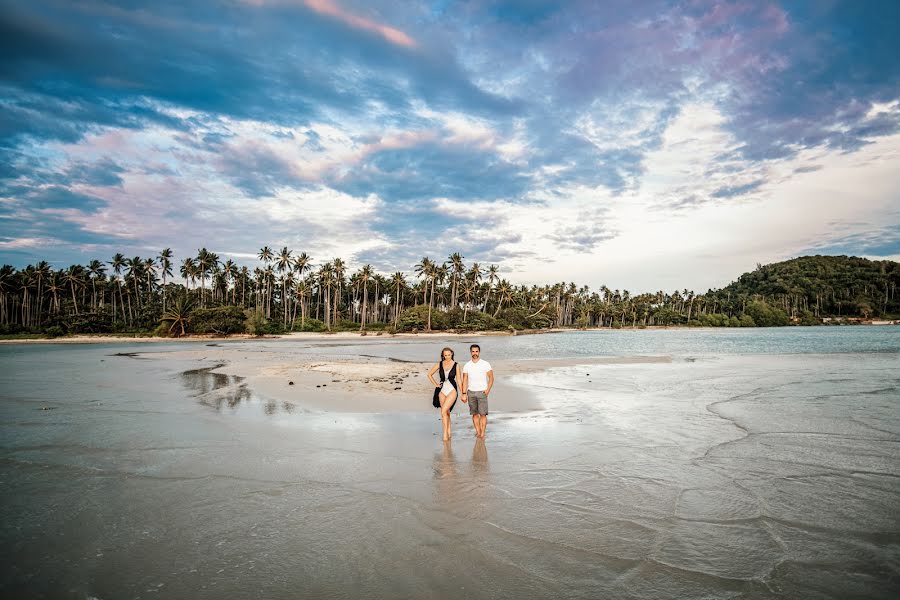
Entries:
{"x":757,"y":464}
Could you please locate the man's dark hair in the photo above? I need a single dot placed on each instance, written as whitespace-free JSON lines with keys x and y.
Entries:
{"x":474,"y":346}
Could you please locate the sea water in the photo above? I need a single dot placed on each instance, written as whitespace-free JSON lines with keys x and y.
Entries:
{"x":754,"y":464}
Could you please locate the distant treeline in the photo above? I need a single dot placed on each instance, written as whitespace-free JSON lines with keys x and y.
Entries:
{"x":287,"y":292}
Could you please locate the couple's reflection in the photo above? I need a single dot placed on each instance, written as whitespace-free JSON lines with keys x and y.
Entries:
{"x":455,"y":486}
{"x":479,"y":457}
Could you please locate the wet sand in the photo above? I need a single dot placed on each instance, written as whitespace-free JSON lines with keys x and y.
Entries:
{"x":197,"y":471}
{"x":367,"y":384}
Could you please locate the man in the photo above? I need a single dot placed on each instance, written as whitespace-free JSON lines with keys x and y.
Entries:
{"x":477,"y":381}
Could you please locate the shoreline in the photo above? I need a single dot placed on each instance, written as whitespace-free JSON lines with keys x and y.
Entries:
{"x":296,"y":335}
{"x":316,"y":335}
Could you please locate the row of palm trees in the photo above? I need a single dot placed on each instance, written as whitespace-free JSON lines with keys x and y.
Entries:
{"x":291,"y":289}
{"x":287,"y":286}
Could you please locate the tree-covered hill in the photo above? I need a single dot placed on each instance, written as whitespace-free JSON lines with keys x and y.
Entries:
{"x":824,"y":286}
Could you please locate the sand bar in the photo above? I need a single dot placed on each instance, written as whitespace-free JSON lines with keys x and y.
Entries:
{"x":367,"y":384}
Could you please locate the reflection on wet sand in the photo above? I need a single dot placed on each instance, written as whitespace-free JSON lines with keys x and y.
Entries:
{"x":479,"y":457}
{"x":218,"y":390}
{"x":444,"y":462}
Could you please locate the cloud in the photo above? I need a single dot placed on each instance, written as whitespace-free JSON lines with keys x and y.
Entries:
{"x":331,"y":9}
{"x":382,"y":131}
{"x":874,"y":241}
{"x":737,"y":190}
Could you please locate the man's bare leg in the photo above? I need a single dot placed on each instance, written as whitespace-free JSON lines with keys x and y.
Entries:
{"x":475,"y":424}
{"x":483,"y":425}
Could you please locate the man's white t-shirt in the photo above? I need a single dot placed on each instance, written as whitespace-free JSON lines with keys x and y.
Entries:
{"x":477,"y":372}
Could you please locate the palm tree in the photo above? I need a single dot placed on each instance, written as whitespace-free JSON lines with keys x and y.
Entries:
{"x":492,"y":277}
{"x":426,"y":269}
{"x":244,"y":275}
{"x":7,"y":283}
{"x":474,"y":275}
{"x":504,"y":292}
{"x":326,"y":279}
{"x":303,"y":290}
{"x":230,"y":272}
{"x":178,"y":314}
{"x":284,"y":263}
{"x":204,"y":265}
{"x":26,"y":279}
{"x":340,"y":269}
{"x":399,"y":282}
{"x":73,"y":278}
{"x":41,"y":272}
{"x":165,"y":269}
{"x":364,"y":275}
{"x":118,"y":263}
{"x":135,"y":271}
{"x":150,"y":270}
{"x":55,"y":287}
{"x":188,"y":271}
{"x":96,"y":271}
{"x":468,"y":294}
{"x":302,"y":263}
{"x":258,"y":280}
{"x":441,"y":273}
{"x":266,"y":255}
{"x":456,"y":264}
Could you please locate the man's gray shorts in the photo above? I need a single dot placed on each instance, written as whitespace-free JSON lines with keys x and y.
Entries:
{"x":477,"y":403}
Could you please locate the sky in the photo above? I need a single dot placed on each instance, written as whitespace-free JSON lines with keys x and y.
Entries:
{"x":642,"y":145}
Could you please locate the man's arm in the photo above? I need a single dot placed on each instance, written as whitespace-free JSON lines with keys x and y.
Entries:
{"x":490,"y":376}
{"x":464,"y":386}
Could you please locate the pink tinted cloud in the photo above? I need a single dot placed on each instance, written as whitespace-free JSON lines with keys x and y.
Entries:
{"x":331,"y":9}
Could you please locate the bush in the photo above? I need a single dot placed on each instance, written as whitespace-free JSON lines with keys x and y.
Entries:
{"x":89,"y":322}
{"x":255,"y":323}
{"x":309,"y":324}
{"x":221,"y":320}
{"x":54,"y":331}
{"x":766,"y":316}
{"x":461,"y":320}
{"x":666,"y":316}
{"x":346,"y":325}
{"x":519,"y":318}
{"x":716,"y":320}
{"x":808,"y":318}
{"x":417,"y":318}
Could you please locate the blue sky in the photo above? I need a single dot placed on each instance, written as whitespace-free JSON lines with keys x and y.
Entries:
{"x":642,"y":145}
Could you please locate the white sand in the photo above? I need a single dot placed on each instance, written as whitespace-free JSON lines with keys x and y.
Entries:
{"x":369,"y":384}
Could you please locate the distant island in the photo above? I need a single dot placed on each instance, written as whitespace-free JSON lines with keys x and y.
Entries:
{"x":285,"y":292}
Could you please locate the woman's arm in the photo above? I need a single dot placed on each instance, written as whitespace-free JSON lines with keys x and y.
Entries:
{"x":430,"y":375}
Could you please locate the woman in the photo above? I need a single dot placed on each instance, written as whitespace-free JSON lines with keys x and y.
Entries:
{"x":446,"y":390}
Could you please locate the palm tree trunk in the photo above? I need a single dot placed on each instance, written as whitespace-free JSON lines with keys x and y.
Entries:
{"x":430,"y":302}
{"x":121,"y":301}
{"x":74,"y":299}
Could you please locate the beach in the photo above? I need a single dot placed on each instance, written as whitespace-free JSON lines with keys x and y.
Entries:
{"x":630,"y":465}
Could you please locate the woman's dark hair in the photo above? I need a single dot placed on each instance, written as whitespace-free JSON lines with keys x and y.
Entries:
{"x":452,"y":353}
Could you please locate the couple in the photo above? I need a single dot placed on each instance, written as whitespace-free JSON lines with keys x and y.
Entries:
{"x":477,"y":380}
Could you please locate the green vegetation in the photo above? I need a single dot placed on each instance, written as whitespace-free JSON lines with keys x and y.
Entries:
{"x":285,"y":293}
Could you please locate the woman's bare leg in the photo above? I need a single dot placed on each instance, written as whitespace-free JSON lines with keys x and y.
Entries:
{"x":446,"y":404}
